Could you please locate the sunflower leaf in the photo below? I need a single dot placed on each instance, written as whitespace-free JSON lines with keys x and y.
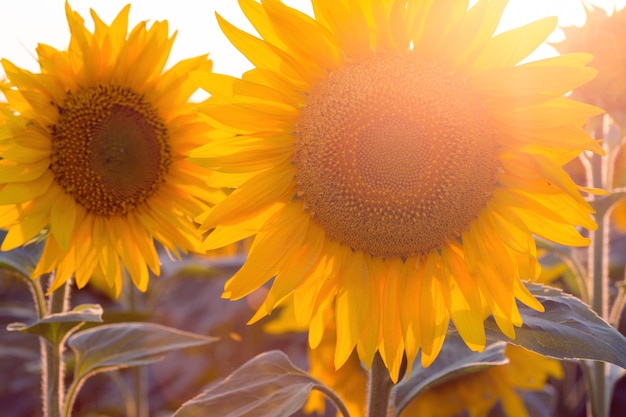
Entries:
{"x":118,"y":345}
{"x":268,"y":385}
{"x":22,"y":259}
{"x":56,"y":327}
{"x":454,"y":360}
{"x":567,"y":329}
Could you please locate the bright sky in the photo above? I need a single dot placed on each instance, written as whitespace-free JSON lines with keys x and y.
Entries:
{"x":25,"y":23}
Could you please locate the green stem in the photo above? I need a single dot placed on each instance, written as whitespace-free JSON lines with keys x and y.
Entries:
{"x":59,"y":299}
{"x":599,"y":395}
{"x":39,"y":297}
{"x":138,"y":373}
{"x":380,"y":385}
{"x":129,"y":399}
{"x":141,"y":398}
{"x":341,"y":407}
{"x":600,"y":265}
{"x":618,"y":307}
{"x":52,"y":358}
{"x":569,"y":258}
{"x":53,"y":387}
{"x":72,"y":392}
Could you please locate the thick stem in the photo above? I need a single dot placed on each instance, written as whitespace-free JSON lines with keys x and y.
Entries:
{"x":600,"y":264}
{"x":598,"y":372}
{"x":138,"y":376}
{"x":53,"y":389}
{"x":380,"y":385}
{"x":52,"y":386}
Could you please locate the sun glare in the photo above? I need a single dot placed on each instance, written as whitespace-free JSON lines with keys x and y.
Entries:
{"x":569,"y":13}
{"x":20,"y":32}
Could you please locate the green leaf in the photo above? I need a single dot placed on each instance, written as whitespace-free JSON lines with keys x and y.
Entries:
{"x":567,"y":329}
{"x":22,"y":259}
{"x":454,"y":360}
{"x":268,"y":385}
{"x":114,"y":346}
{"x":58,"y":326}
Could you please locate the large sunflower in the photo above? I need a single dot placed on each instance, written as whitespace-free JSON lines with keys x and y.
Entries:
{"x":94,"y":152}
{"x":392,"y":160}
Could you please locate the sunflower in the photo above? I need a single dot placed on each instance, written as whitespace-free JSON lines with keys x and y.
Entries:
{"x":393,"y":162}
{"x":94,"y":152}
{"x":602,"y":36}
{"x":478,"y":393}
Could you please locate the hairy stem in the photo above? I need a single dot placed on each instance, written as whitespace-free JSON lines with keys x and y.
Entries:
{"x":52,"y":385}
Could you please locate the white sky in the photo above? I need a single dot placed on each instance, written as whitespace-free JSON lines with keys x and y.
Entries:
{"x":25,"y":23}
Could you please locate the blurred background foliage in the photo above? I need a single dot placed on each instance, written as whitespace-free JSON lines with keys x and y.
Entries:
{"x":187,"y":297}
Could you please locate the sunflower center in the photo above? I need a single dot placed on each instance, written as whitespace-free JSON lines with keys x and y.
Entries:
{"x":110,"y":149}
{"x":394,"y":155}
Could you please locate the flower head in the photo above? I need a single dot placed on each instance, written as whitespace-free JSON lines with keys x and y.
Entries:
{"x":602,"y":36}
{"x":393,"y":163}
{"x":478,"y":393}
{"x":94,"y":152}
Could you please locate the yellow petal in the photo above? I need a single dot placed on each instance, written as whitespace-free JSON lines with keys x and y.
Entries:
{"x":510,"y":47}
{"x":252,"y":197}
{"x":15,"y":193}
{"x":63,"y":220}
{"x":271,"y":249}
{"x":11,"y":171}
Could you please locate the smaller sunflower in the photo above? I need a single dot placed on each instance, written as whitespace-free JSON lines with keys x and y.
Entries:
{"x":94,"y":150}
{"x":478,"y":393}
{"x":603,"y":37}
